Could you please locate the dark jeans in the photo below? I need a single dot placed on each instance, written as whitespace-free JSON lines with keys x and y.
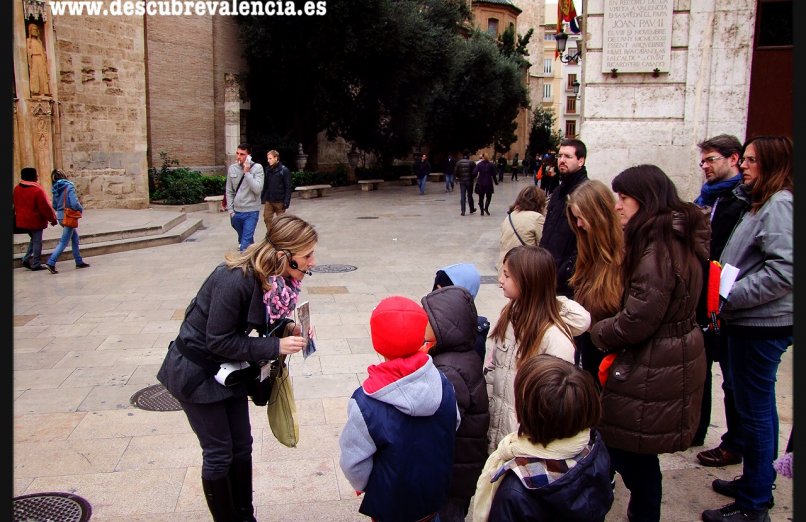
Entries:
{"x":421,"y":183}
{"x":484,"y":201}
{"x":641,"y":474}
{"x":224,"y":433}
{"x":466,"y":195}
{"x":754,"y":365}
{"x":34,"y":253}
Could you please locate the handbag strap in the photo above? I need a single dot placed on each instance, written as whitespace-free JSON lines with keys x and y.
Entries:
{"x":514,"y":230}
{"x":64,"y":199}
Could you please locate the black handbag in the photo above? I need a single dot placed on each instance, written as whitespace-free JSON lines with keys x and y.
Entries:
{"x":259,"y":391}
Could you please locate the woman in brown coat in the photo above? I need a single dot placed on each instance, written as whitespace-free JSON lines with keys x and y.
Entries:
{"x":651,"y":399}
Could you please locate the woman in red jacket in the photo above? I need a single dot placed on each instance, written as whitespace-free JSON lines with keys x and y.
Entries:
{"x":32,"y":213}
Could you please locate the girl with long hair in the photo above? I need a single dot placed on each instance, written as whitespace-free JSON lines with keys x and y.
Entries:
{"x":598,"y":280}
{"x":248,"y":292}
{"x":757,"y":319}
{"x":524,"y":222}
{"x":534,"y":321}
{"x":65,"y":196}
{"x":651,"y":398}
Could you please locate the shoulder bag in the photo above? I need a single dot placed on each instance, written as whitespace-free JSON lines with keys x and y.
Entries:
{"x":514,"y":230}
{"x":71,"y":216}
{"x":260,"y":390}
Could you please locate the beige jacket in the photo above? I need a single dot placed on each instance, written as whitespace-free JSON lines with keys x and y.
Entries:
{"x":530,"y":227}
{"x":501,"y":367}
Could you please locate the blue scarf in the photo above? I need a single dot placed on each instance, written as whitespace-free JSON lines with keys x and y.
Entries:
{"x":710,"y":192}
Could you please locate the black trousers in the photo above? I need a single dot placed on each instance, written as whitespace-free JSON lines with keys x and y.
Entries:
{"x":482,"y":198}
{"x":641,"y":474}
{"x":224,"y":433}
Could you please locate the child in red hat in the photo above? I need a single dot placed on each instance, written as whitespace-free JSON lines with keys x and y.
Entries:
{"x":397,"y":444}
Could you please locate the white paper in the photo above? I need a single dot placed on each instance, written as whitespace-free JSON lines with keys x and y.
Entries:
{"x":726,"y":279}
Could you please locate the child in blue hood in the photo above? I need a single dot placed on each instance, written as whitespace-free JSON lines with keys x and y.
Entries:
{"x":64,"y":196}
{"x":467,"y":276}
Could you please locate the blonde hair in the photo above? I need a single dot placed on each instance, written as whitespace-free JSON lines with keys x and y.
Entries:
{"x":598,"y":279}
{"x":288,"y":235}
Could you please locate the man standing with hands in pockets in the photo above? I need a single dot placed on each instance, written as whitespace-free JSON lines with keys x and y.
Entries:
{"x":244,"y":185}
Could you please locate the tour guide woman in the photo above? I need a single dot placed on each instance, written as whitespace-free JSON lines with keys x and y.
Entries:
{"x":249,"y":290}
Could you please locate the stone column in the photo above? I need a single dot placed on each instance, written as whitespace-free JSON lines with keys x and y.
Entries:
{"x":42,"y":134}
{"x":232,"y":115}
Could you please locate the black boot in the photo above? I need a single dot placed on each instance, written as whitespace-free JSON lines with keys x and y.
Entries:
{"x":240,"y":476}
{"x":219,"y":499}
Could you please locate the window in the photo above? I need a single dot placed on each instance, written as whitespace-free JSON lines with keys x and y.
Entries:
{"x":492,"y":26}
{"x":547,"y":91}
{"x":547,"y":65}
{"x":571,"y":79}
{"x":571,"y":104}
{"x":570,"y":129}
{"x":548,"y":36}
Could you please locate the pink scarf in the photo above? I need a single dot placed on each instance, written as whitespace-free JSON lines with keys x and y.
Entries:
{"x":281,"y":298}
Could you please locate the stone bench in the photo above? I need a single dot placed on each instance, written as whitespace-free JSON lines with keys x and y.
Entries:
{"x":408,"y":180}
{"x":313,"y":191}
{"x":436,"y":176}
{"x":214,"y":203}
{"x":369,"y":184}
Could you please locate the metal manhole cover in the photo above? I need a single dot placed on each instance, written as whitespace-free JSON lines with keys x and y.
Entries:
{"x":332,"y":269}
{"x":367,"y":217}
{"x":489,"y":280}
{"x":64,"y":507}
{"x":155,"y":398}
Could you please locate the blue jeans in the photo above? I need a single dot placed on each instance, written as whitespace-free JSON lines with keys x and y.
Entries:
{"x":69,"y":234}
{"x":244,"y":224}
{"x":421,"y":183}
{"x":466,"y":194}
{"x":448,"y":182}
{"x":754,"y":365}
{"x":34,"y":252}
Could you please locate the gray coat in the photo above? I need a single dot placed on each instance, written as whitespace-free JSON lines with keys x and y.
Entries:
{"x":761,"y":248}
{"x":228,"y":306}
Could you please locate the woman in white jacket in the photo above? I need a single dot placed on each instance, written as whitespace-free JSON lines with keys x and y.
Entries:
{"x":534,"y":321}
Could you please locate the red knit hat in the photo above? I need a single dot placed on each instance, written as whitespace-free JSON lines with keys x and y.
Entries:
{"x":397,"y":326}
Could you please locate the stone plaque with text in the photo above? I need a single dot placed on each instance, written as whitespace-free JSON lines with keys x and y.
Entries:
{"x":637,"y":35}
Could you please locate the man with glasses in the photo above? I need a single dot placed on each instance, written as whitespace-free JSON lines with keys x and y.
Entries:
{"x":725,"y":198}
{"x":558,"y":238}
{"x":244,"y":185}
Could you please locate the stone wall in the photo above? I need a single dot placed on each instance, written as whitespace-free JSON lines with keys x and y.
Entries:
{"x":102,"y":112}
{"x":637,"y":118}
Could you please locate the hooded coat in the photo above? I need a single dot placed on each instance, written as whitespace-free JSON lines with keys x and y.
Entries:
{"x":397,"y":443}
{"x":651,"y":400}
{"x":452,"y":315}
{"x":64,"y":194}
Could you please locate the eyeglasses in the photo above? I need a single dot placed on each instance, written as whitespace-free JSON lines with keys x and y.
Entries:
{"x":749,"y":159}
{"x":565,"y":156}
{"x":710,"y":160}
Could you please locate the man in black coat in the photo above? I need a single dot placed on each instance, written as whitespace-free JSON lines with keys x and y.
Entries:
{"x":464,"y":174}
{"x":276,"y":194}
{"x":558,"y":238}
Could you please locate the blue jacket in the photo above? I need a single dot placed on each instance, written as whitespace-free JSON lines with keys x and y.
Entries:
{"x":58,"y":191}
{"x":581,"y":493}
{"x":397,"y":444}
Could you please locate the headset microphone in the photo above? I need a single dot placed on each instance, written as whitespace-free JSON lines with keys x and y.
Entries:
{"x":293,"y":264}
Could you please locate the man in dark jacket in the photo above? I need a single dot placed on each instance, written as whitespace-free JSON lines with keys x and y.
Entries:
{"x":720,"y":157}
{"x":276,"y":195}
{"x":32,"y":213}
{"x":464,"y":174}
{"x":558,"y":238}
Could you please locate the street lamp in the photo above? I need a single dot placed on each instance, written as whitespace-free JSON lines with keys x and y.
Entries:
{"x":575,"y":86}
{"x":561,"y":40}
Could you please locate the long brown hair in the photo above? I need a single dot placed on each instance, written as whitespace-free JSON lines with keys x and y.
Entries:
{"x":598,"y":280}
{"x":652,"y":223}
{"x":288,"y":234}
{"x":774,"y":158}
{"x":535,"y":274}
{"x":530,"y":198}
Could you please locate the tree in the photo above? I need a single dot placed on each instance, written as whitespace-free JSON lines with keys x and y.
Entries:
{"x":542,"y":136}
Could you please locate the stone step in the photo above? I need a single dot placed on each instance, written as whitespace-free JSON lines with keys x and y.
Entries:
{"x":175,"y":230}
